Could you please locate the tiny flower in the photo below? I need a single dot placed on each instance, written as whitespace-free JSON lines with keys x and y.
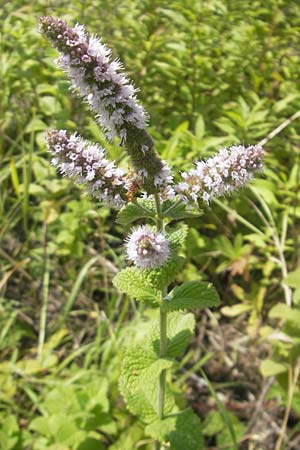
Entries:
{"x":226,"y":172}
{"x":147,"y":249}
{"x":163,"y":180}
{"x":87,"y":164}
{"x":101,"y":83}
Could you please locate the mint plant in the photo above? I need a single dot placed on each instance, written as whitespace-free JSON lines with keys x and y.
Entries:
{"x":148,"y":193}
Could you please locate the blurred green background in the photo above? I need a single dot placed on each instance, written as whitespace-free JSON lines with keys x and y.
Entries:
{"x":211,"y":73}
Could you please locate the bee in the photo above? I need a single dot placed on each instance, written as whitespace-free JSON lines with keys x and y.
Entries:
{"x":134,"y":186}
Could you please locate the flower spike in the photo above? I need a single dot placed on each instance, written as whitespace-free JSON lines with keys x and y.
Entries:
{"x":87,"y":164}
{"x":100,"y":81}
{"x":226,"y":172}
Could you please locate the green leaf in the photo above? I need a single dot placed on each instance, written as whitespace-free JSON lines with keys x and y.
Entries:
{"x":134,"y":282}
{"x":9,"y":432}
{"x":177,"y":211}
{"x":166,"y":274}
{"x":192,"y":295}
{"x":90,"y":444}
{"x":145,"y":284}
{"x":293,"y":279}
{"x":36,"y":124}
{"x":180,"y":330}
{"x":139,"y":383}
{"x":178,"y":236}
{"x":213,"y":424}
{"x":285,"y":312}
{"x":41,"y":425}
{"x":236,"y":310}
{"x":271,"y":368}
{"x":49,"y":105}
{"x":224,"y":438}
{"x":182,"y":430}
{"x":134,"y":211}
{"x":150,"y":388}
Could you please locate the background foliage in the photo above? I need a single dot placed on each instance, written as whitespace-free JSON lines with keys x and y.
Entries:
{"x":211,"y":73}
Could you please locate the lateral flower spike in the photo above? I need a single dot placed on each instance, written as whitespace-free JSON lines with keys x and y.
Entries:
{"x":101,"y":83}
{"x":87,"y":164}
{"x":222,"y":174}
{"x":147,"y":249}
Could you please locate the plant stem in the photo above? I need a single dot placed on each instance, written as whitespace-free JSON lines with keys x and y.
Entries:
{"x":45,"y":293}
{"x":293,"y":376}
{"x":163,"y":331}
{"x":162,"y":354}
{"x":159,"y":222}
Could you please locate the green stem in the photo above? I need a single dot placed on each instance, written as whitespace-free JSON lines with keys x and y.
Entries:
{"x":163,"y":331}
{"x":162,"y":354}
{"x":160,"y":223}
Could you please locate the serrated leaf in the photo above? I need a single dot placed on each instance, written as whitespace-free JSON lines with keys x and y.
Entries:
{"x":182,"y":430}
{"x":192,"y":295}
{"x":178,"y":236}
{"x":166,"y":274}
{"x":145,"y":284}
{"x":138,"y":388}
{"x":180,"y":330}
{"x":134,"y":211}
{"x":134,"y":282}
{"x":177,"y":211}
{"x":150,"y":388}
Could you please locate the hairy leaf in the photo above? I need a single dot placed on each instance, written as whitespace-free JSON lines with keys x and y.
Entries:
{"x":182,"y":430}
{"x":180,"y":329}
{"x":149,"y":382}
{"x":134,"y":282}
{"x":135,"y":211}
{"x":166,"y":274}
{"x":192,"y":295}
{"x":177,"y":236}
{"x":139,"y":382}
{"x":176,"y":211}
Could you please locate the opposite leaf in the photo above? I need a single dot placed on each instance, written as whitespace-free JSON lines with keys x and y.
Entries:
{"x":192,"y":295}
{"x":180,"y":330}
{"x":177,"y":236}
{"x":182,"y":430}
{"x":139,"y":383}
{"x":175,"y":210}
{"x":149,"y":381}
{"x":134,"y":282}
{"x":135,"y":211}
{"x":163,"y":276}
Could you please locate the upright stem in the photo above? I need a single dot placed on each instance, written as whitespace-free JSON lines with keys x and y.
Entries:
{"x":159,"y":220}
{"x":163,"y":331}
{"x":162,"y":354}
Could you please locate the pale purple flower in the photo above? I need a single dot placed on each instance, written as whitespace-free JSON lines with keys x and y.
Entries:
{"x":228,"y":171}
{"x":163,"y":181}
{"x":146,"y":248}
{"x":87,"y":164}
{"x":102,"y":84}
{"x":98,"y":78}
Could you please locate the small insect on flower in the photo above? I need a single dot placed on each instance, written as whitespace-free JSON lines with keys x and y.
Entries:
{"x":146,"y":248}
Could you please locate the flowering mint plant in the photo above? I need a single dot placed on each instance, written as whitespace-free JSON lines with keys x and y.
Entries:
{"x":147,"y":193}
